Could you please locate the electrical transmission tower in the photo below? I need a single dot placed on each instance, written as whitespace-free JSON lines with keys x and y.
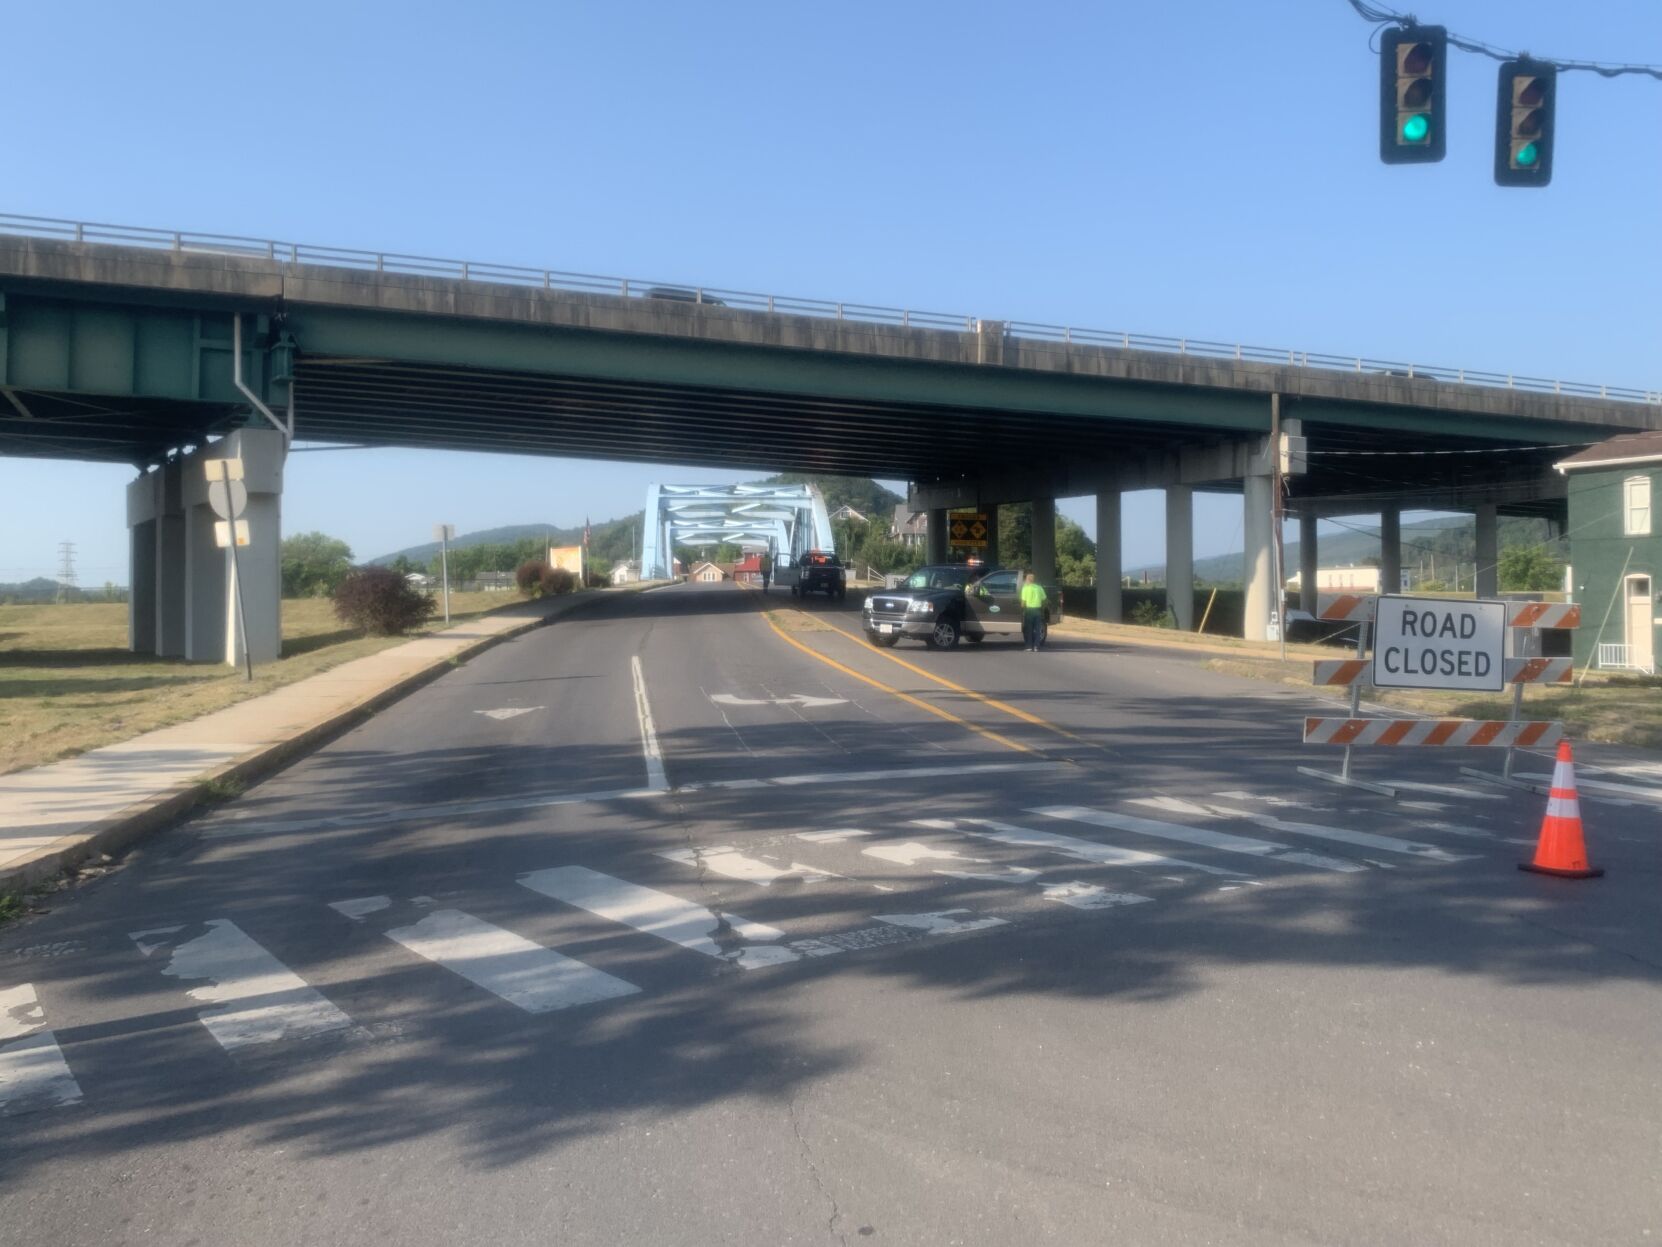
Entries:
{"x":66,"y":568}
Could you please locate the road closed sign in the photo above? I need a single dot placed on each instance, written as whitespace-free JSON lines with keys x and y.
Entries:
{"x":1437,"y":643}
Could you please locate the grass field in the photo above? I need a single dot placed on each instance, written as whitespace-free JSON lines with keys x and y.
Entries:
{"x":68,"y":684}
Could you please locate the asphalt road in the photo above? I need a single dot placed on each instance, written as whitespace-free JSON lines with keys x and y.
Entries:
{"x":668,"y":925}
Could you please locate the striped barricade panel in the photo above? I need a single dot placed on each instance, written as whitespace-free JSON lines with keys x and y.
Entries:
{"x":1354,"y":607}
{"x":1450,"y":733}
{"x":1543,"y":615}
{"x":1347,"y":671}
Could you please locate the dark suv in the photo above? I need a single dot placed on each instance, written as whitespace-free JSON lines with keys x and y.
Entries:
{"x":817,"y":571}
{"x":939,"y":604}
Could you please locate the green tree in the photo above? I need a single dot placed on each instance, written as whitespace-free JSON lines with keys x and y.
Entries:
{"x":313,"y":565}
{"x":1530,"y":569}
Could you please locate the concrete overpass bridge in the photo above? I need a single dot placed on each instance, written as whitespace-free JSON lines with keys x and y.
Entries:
{"x":160,"y":349}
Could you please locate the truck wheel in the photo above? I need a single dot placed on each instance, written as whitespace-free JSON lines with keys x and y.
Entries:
{"x":945,"y":634}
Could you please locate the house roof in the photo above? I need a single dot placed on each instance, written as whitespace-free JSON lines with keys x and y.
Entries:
{"x":698,"y":567}
{"x":1623,"y":449}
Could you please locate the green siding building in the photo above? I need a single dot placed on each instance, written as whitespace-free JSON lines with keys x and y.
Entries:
{"x":1615,"y":489}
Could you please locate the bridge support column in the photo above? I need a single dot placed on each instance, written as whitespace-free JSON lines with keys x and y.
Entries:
{"x":935,"y":537}
{"x":156,"y":566}
{"x":1110,"y":601}
{"x":211,"y":633}
{"x":170,"y":561}
{"x":141,"y":577}
{"x":1258,"y":525}
{"x":1488,"y":550}
{"x":1390,"y":550}
{"x":989,"y":555}
{"x":1180,"y":555}
{"x":1044,"y":540}
{"x":1309,"y":561}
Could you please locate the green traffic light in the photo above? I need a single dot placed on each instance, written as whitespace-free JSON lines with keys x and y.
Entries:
{"x":1416,"y":128}
{"x":1527,"y":155}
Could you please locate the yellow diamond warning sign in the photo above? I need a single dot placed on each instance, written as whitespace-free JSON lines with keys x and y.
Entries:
{"x":968,"y":528}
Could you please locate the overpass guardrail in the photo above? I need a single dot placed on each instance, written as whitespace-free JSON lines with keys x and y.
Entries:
{"x":592,"y":283}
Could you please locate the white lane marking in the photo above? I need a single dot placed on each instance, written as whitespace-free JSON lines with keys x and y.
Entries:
{"x":940,"y":923}
{"x":1360,"y":839}
{"x":1088,"y":896}
{"x":508,"y":712}
{"x":33,"y":1073}
{"x":1068,"y":846}
{"x":1448,"y":790}
{"x":729,"y":862}
{"x":527,"y":975}
{"x":361,"y":907}
{"x":1647,"y":792}
{"x":1009,"y":874}
{"x":1471,"y":833}
{"x":802,"y":700}
{"x":536,"y":801}
{"x":1237,"y":794}
{"x":862,"y":777}
{"x":252,"y":997}
{"x":1221,"y":841}
{"x":655,"y":777}
{"x":1425,"y":807}
{"x":912,"y":852}
{"x":658,"y":913}
{"x":831,"y":837}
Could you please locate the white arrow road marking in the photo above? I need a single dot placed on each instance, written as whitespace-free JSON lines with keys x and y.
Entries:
{"x":941,"y":923}
{"x":1068,"y":846}
{"x":911,"y":853}
{"x":795,"y":699}
{"x":509,"y":712}
{"x":1088,"y":896}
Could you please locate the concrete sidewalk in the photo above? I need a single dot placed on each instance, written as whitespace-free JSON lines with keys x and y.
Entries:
{"x":54,"y":816}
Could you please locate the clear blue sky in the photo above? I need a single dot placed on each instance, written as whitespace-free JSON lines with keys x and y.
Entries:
{"x":1199,"y":169}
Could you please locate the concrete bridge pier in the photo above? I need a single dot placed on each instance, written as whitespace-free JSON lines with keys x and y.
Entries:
{"x":184,"y":595}
{"x":1110,"y":601}
{"x":1390,"y":549}
{"x":935,"y":536}
{"x":1180,"y":555}
{"x":1258,"y":526}
{"x":1044,"y":540}
{"x":1488,"y":550}
{"x":1309,"y":560}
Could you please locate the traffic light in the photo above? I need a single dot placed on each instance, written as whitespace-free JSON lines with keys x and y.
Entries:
{"x":1412,"y":81}
{"x":1523,"y":123}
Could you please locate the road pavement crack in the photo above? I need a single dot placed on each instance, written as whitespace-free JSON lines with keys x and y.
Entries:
{"x":814,"y":1174}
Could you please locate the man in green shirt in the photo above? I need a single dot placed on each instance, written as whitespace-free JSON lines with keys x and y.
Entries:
{"x":1032,"y":613}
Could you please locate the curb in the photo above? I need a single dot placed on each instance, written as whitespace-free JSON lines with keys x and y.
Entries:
{"x":120,"y":831}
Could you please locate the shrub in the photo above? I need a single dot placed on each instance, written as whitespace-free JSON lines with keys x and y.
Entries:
{"x":380,"y":601}
{"x":529,"y":577}
{"x":558,"y":580}
{"x":1148,"y":615}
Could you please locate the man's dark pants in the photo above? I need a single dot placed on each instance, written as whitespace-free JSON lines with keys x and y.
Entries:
{"x":1033,"y":626}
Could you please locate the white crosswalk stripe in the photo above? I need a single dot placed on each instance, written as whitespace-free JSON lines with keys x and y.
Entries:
{"x":1221,"y":841}
{"x":251,"y":997}
{"x":696,"y":927}
{"x":526,"y":975}
{"x":1359,"y":839}
{"x":33,"y":1072}
{"x":728,"y":862}
{"x":1068,"y":846}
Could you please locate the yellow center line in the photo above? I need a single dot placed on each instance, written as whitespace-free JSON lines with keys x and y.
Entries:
{"x":905,"y":697}
{"x":995,"y":703}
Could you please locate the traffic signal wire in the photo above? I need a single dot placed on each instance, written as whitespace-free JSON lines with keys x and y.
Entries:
{"x":1382,"y":16}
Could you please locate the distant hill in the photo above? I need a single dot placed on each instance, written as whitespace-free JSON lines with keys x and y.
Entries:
{"x":1447,"y":540}
{"x":40,"y":589}
{"x":486,"y":536}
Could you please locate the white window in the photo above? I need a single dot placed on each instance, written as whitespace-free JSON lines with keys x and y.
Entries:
{"x":1636,"y":508}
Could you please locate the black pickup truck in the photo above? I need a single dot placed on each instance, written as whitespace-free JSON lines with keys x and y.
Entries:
{"x":940,"y":604}
{"x":816,"y":571}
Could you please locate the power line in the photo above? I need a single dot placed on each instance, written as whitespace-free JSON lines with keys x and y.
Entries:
{"x":1382,"y":16}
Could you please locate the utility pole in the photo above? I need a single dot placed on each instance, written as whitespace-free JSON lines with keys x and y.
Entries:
{"x":444,"y":533}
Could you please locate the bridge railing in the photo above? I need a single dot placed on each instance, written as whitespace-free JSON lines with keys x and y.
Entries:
{"x":593,"y":283}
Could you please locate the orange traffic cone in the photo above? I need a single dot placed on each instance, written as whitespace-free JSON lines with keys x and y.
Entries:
{"x":1561,"y":850}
